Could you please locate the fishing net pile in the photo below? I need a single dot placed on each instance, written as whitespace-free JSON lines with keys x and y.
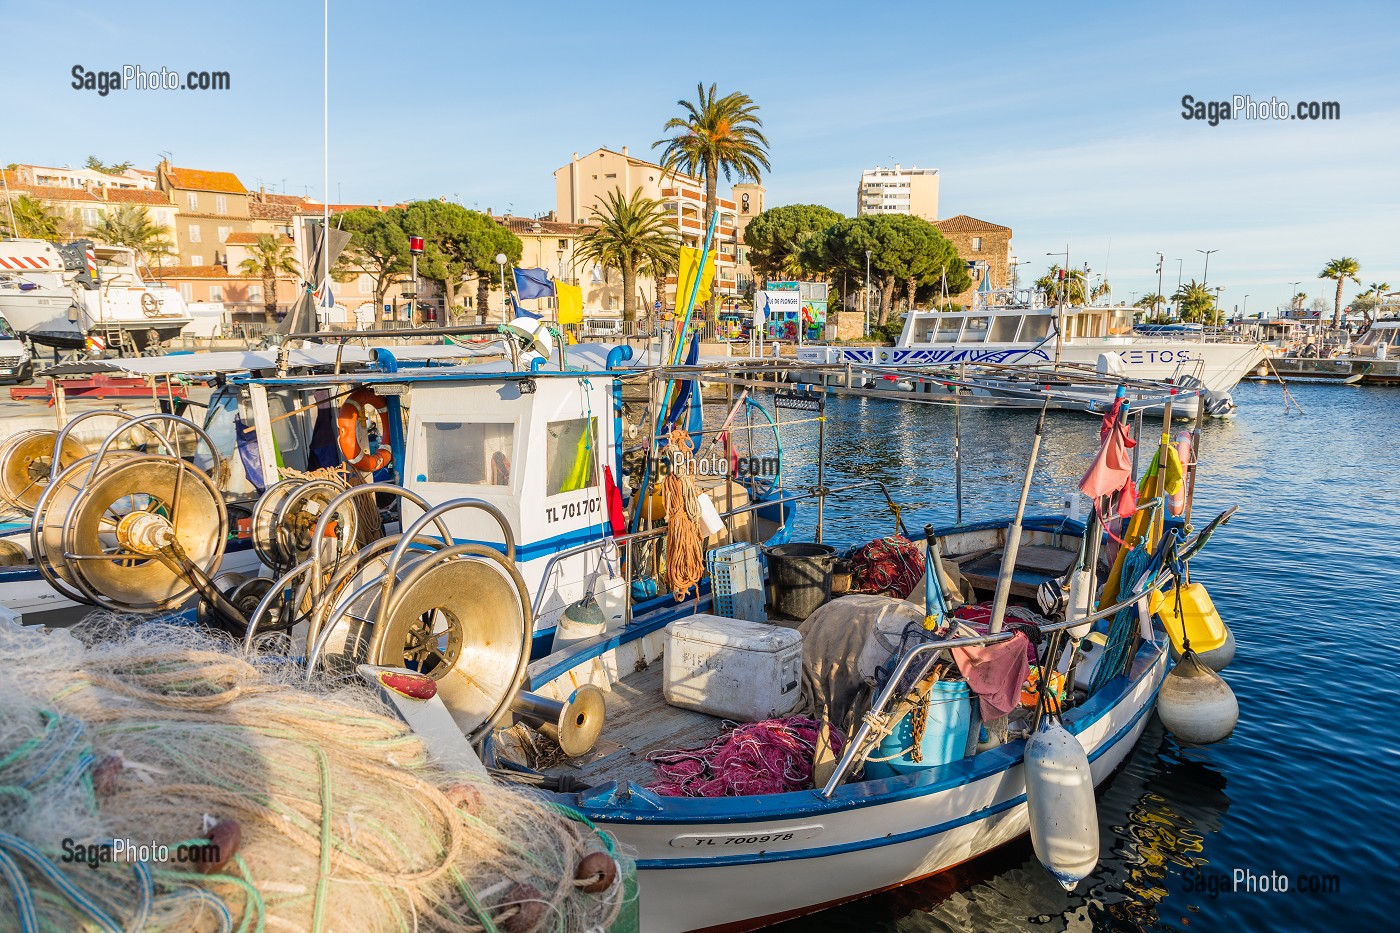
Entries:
{"x":262,"y":804}
{"x":769,"y":757}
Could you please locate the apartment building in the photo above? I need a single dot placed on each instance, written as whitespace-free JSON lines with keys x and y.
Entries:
{"x":212,"y":205}
{"x":85,"y":178}
{"x":898,"y":190}
{"x":581,"y":186}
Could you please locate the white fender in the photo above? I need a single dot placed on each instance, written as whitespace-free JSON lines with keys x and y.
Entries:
{"x":1060,"y":797}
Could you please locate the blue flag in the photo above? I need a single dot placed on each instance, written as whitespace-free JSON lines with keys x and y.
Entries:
{"x":519,"y":311}
{"x":533,"y":283}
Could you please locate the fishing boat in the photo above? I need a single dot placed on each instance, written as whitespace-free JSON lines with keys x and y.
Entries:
{"x":509,"y":530}
{"x":1090,"y":339}
{"x":59,"y":295}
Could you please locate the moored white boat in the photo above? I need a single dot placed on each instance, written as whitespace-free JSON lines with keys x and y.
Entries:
{"x":495,"y":528}
{"x":1092,"y":338}
{"x":59,"y":297}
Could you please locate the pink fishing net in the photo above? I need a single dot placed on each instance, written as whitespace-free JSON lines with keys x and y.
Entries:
{"x":769,"y":757}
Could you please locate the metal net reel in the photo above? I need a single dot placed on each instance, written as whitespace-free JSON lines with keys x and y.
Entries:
{"x":27,"y":464}
{"x":132,"y":531}
{"x":286,"y":515}
{"x":459,"y":613}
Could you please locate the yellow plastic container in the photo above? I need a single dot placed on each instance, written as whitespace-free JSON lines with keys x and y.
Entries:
{"x":1204,"y":626}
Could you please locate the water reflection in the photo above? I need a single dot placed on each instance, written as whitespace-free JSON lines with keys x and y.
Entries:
{"x":1304,"y":576}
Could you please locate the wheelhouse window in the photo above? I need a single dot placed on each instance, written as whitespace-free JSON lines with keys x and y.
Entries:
{"x":1004,"y":328}
{"x":571,"y":456}
{"x":949,"y":329}
{"x":975,"y":331}
{"x":1036,"y":327}
{"x":472,"y":454}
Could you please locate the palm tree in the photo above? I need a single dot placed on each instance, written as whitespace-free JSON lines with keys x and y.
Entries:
{"x":133,"y":227}
{"x":1340,"y":270}
{"x":1298,"y":300}
{"x":1152,"y":303}
{"x":632,"y":234}
{"x":658,"y":268}
{"x":715,"y":134}
{"x":270,"y":258}
{"x":1073,"y":286}
{"x":1194,"y":302}
{"x":32,"y":218}
{"x":1101,"y":289}
{"x":1376,"y":293}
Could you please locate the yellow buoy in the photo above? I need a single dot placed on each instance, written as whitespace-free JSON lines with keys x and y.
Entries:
{"x":1198,"y":622}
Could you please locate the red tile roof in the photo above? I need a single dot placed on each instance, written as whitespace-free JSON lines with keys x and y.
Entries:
{"x":194,"y":272}
{"x":194,"y":179}
{"x":962,"y":223}
{"x":135,"y":196}
{"x":251,"y":239}
{"x":54,"y":193}
{"x":264,"y":205}
{"x":529,"y":226}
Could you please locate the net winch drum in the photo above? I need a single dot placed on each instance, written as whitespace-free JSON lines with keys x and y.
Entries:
{"x":26,"y":465}
{"x":131,"y":531}
{"x":288,"y":512}
{"x":575,"y":723}
{"x":459,"y":613}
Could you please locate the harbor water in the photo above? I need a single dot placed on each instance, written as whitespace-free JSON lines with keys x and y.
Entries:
{"x":1302,"y":796}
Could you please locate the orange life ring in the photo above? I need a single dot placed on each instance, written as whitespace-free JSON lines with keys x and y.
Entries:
{"x":354,"y":432}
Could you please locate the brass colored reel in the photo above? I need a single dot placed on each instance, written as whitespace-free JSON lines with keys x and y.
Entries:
{"x":26,"y":462}
{"x":286,"y":515}
{"x":137,"y":536}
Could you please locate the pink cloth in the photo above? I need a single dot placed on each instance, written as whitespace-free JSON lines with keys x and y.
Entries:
{"x":995,"y":673}
{"x":1112,"y":467}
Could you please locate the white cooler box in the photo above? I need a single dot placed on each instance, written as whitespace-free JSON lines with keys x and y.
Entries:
{"x":732,"y":668}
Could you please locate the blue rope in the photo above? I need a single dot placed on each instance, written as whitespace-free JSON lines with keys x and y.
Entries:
{"x":1120,"y":631}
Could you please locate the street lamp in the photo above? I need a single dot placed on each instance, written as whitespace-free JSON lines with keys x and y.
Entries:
{"x":1245,"y":312}
{"x":501,"y":260}
{"x":867,"y":293}
{"x":1157,"y":303}
{"x":1205,"y":274}
{"x":1060,"y":314}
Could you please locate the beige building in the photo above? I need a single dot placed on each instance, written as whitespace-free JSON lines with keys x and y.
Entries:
{"x":581,"y":185}
{"x":212,"y":205}
{"x":77,"y":209}
{"x":748,"y":198}
{"x":552,"y":245}
{"x":985,"y":246}
{"x":898,"y":190}
{"x":86,"y":178}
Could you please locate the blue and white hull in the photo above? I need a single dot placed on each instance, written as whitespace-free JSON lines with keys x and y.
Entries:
{"x":740,"y":863}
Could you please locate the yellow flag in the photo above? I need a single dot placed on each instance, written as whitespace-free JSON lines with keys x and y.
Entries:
{"x":685,"y":280}
{"x":570,"y":298}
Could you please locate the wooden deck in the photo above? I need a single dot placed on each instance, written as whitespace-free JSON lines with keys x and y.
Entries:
{"x":639,"y":720}
{"x":1034,"y":565}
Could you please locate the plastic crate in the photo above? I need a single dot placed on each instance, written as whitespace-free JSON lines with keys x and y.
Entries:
{"x":736,"y":581}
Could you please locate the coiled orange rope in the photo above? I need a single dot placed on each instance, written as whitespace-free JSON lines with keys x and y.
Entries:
{"x":685,"y":558}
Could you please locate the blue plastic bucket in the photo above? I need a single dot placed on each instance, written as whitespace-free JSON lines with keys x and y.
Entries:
{"x":945,"y":733}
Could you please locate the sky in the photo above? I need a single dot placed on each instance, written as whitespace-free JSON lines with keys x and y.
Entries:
{"x":1063,"y":122}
